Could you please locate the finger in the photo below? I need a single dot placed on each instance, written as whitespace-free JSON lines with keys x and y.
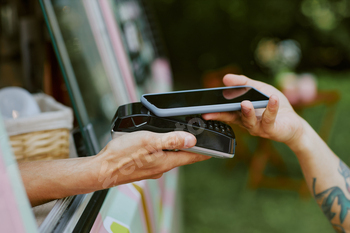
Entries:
{"x":229,"y":117}
{"x":169,"y":141}
{"x":270,"y":114}
{"x":234,"y":92}
{"x":239,"y":80}
{"x":156,"y":176}
{"x":181,"y":158}
{"x":249,"y":120}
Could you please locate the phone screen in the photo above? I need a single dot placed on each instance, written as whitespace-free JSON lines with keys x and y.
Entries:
{"x":204,"y":97}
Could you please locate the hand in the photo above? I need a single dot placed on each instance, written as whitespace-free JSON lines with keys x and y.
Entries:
{"x":278,"y":121}
{"x":140,"y":155}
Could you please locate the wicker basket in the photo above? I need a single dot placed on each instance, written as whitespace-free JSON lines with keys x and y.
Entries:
{"x":42,"y":137}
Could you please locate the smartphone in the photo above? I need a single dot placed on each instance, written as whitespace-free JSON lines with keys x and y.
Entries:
{"x":223,"y":99}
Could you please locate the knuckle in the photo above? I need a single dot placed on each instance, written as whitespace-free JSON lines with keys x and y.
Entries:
{"x":159,"y":170}
{"x":164,"y":168}
{"x":248,"y":125}
{"x":195,"y":158}
{"x":253,"y":133}
{"x":147,"y":138}
{"x":230,"y":118}
{"x":173,"y":142}
{"x":268,"y":120}
{"x":141,"y":152}
{"x":144,"y":141}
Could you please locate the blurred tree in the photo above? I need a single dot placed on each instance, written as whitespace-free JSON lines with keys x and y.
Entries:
{"x":204,"y":35}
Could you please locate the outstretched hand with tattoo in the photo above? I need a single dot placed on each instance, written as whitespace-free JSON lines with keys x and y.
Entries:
{"x":335,"y":201}
{"x":320,"y":166}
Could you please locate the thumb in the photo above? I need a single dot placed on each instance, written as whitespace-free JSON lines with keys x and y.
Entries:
{"x":174,"y":140}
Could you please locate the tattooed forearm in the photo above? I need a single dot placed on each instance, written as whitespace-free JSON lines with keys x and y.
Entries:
{"x":345,"y":172}
{"x":327,"y":198}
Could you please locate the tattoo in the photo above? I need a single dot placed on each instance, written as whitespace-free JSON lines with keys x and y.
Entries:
{"x":338,"y":228}
{"x":328,"y":197}
{"x":345,"y":172}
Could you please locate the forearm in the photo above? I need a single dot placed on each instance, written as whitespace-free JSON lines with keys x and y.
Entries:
{"x":324,"y":174}
{"x":48,"y":180}
{"x":316,"y":159}
{"x":132,"y":157}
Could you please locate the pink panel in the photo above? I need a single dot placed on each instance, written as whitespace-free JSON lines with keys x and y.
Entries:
{"x":98,"y":225}
{"x":150,"y":210}
{"x":118,"y":47}
{"x":169,"y":199}
{"x":128,"y":192}
{"x":10,"y":218}
{"x":161,"y":183}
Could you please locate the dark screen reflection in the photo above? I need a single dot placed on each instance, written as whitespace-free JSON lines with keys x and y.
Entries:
{"x":205,"y":97}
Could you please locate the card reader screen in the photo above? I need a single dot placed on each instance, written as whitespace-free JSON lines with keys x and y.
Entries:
{"x":204,"y":97}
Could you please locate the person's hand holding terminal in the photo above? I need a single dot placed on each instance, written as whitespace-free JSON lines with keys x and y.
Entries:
{"x":132,"y":157}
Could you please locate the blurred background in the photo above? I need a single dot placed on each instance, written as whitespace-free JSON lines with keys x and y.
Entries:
{"x":300,"y":46}
{"x":203,"y":36}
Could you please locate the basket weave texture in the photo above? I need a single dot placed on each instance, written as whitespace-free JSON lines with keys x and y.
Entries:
{"x":42,"y":137}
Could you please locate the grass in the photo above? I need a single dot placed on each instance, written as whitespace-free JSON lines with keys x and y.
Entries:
{"x":216,"y":199}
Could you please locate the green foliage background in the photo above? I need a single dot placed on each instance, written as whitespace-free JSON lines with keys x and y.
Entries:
{"x":216,"y":198}
{"x":203,"y":35}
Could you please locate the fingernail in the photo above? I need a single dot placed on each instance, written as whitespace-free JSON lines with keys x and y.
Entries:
{"x":189,"y":141}
{"x":245,"y":111}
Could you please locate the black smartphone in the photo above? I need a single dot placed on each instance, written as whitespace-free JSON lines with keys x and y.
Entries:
{"x":201,"y":101}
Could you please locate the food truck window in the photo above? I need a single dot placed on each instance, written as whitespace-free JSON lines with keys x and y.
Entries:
{"x":99,"y":78}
